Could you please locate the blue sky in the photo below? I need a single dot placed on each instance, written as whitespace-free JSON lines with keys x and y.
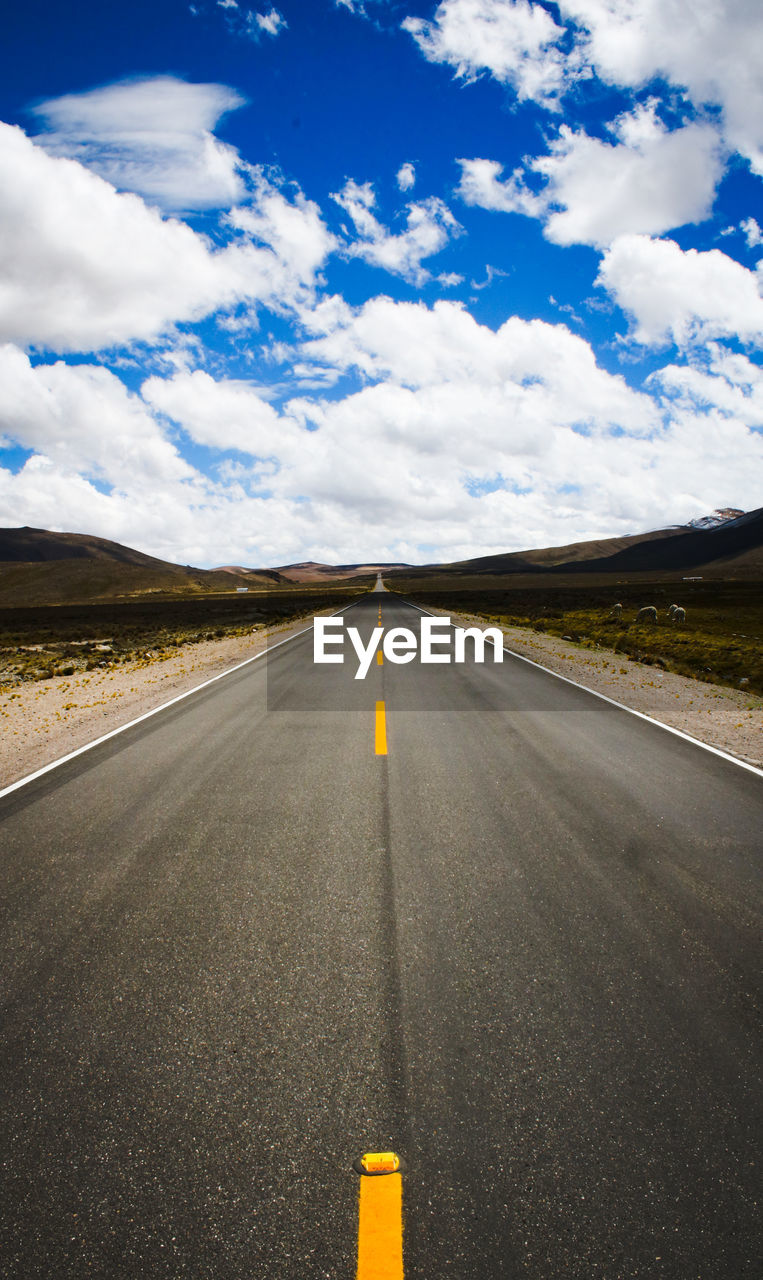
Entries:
{"x":385,"y":280}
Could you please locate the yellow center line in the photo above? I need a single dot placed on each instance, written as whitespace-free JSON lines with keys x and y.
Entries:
{"x":379,"y":657}
{"x":380,"y":1228}
{"x":381,"y":730}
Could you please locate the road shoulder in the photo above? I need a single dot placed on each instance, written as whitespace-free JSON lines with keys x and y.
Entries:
{"x":729,"y":719}
{"x":41,"y":721}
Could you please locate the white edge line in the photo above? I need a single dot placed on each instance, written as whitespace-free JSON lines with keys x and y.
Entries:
{"x":122,"y":728}
{"x":679,"y":733}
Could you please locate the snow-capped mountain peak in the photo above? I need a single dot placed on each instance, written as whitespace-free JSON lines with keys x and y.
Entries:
{"x":721,"y":516}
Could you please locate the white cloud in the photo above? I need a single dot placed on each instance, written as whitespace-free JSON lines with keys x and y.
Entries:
{"x":752,"y":233}
{"x":456,"y":407}
{"x":515,"y":41}
{"x":84,"y":420}
{"x":415,"y":346}
{"x":684,"y":295}
{"x":200,"y":524}
{"x":491,"y":274}
{"x":297,"y":244}
{"x":725,"y":381}
{"x":406,"y":176}
{"x":223,"y":414}
{"x":650,"y":180}
{"x":481,"y":185}
{"x":451,"y":409}
{"x":711,"y":49}
{"x":430,"y":225}
{"x":85,"y":268}
{"x":152,"y":136}
{"x":271,"y":22}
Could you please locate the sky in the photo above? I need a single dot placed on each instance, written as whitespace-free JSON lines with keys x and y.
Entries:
{"x":379,"y":281}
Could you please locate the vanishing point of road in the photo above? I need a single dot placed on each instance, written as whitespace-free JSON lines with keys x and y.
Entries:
{"x":500,"y":927}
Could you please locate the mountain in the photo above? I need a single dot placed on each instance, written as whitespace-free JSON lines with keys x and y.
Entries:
{"x":720,"y":516}
{"x":271,"y":575}
{"x":312,"y":571}
{"x":727,"y":543}
{"x":733,"y":545}
{"x":38,"y":566}
{"x":29,"y":546}
{"x":542,"y":558}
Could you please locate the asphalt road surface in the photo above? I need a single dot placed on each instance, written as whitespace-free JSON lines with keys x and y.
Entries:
{"x":239,"y":948}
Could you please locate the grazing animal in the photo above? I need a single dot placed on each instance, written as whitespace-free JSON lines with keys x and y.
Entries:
{"x":616,"y":611}
{"x":679,"y":614}
{"x":647,"y":614}
{"x":671,"y":610}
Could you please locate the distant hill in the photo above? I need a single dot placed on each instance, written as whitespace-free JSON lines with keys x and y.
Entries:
{"x":728,"y":542}
{"x":716,"y":519}
{"x":540,"y":558}
{"x":41,"y":567}
{"x":312,"y":571}
{"x":734,"y":545}
{"x":38,"y":566}
{"x":28,"y":546}
{"x":271,"y":575}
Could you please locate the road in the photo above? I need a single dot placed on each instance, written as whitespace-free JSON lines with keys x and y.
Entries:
{"x":239,"y":948}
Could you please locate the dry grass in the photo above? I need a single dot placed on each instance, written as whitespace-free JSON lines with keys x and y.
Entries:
{"x":721,"y":641}
{"x":43,"y":642}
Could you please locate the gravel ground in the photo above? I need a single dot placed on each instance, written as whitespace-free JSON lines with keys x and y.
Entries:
{"x":42,"y":721}
{"x":723,"y":717}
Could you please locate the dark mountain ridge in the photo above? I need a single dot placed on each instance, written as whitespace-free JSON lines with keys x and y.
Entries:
{"x":28,"y":545}
{"x":38,"y":566}
{"x":693,"y":549}
{"x":41,"y":567}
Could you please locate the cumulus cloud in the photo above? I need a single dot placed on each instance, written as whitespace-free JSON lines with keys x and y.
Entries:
{"x":296,"y":244}
{"x":482,"y":185}
{"x":153,"y":136}
{"x":650,"y":180}
{"x":686,"y":296}
{"x":513,"y":40}
{"x":269,"y":23}
{"x":430,"y":225}
{"x":466,"y":438}
{"x":221,"y":414}
{"x":708,"y":51}
{"x":720,"y":380}
{"x":417,"y":346}
{"x":83,"y":419}
{"x":406,"y":176}
{"x":453,"y":408}
{"x":711,"y":50}
{"x":752,"y":233}
{"x":85,"y":268}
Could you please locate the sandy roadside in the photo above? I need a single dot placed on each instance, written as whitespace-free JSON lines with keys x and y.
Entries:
{"x":723,"y":717}
{"x":43,"y":721}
